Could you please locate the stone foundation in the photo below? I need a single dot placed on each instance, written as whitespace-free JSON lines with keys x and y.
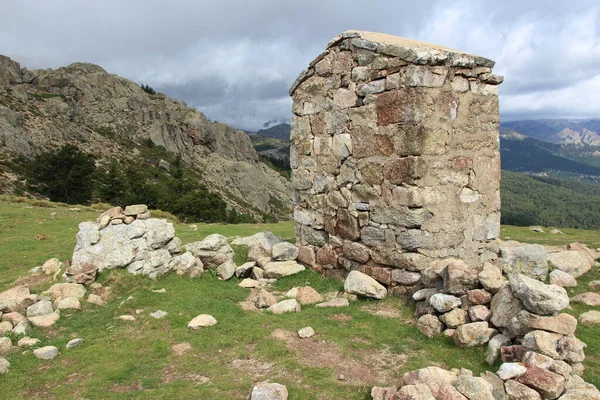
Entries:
{"x":395,"y":157}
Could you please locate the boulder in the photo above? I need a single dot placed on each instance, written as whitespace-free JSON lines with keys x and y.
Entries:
{"x":151,"y":263}
{"x":444,"y":302}
{"x":548,"y":384}
{"x":479,"y":296}
{"x":42,"y":307}
{"x":538,"y":297}
{"x":491,"y":278}
{"x":511,"y":370}
{"x":505,"y":307}
{"x":562,"y":279}
{"x":304,"y":295}
{"x":201,"y":321}
{"x":265,"y":299}
{"x":474,"y":388}
{"x":434,"y":377}
{"x":280,"y":269}
{"x":564,"y":324}
{"x":27,"y":342}
{"x":430,"y":325}
{"x":212,"y":250}
{"x":5,"y":345}
{"x":363,"y":285}
{"x":588,"y":298}
{"x":134,"y":210}
{"x":455,"y":318}
{"x":62,"y":290}
{"x":51,"y":266}
{"x":226,"y":270}
{"x":459,"y":278}
{"x":284,"y":306}
{"x":338,"y":302}
{"x":473,"y":334}
{"x":11,"y":299}
{"x":479,"y":313}
{"x":570,"y":261}
{"x":269,"y":391}
{"x":46,"y":353}
{"x":245,"y":270}
{"x":5,"y":327}
{"x":494,"y":347}
{"x":518,"y":391}
{"x":530,"y":260}
{"x":46,"y":320}
{"x":284,"y":251}
{"x":186,"y":264}
{"x":82,"y":273}
{"x":384,"y":393}
{"x":415,"y":392}
{"x":577,"y":389}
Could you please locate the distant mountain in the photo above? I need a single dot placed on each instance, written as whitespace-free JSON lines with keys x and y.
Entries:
{"x":558,"y":130}
{"x":281,"y":131}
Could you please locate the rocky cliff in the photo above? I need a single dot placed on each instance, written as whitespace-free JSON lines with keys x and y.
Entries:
{"x":83,"y":104}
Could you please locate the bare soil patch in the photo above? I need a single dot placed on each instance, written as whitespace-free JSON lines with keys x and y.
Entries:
{"x":180,"y":349}
{"x":367,"y":367}
{"x":171,"y":374}
{"x":343,"y":318}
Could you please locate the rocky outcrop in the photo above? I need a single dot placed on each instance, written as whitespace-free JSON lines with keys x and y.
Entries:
{"x":83,"y":104}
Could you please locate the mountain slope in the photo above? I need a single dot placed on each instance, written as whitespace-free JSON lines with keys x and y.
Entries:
{"x":109,"y":117}
{"x":281,"y":131}
{"x":559,"y":130}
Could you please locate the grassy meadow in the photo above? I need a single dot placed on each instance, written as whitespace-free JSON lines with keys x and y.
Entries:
{"x":368,"y":343}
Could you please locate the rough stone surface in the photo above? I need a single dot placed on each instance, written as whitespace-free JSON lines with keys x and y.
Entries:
{"x":430,"y":325}
{"x":494,"y":347}
{"x":45,"y":320}
{"x":202,"y":321}
{"x":11,"y":299}
{"x":363,"y":285}
{"x":548,"y":384}
{"x":479,"y":313}
{"x":27,"y":342}
{"x":46,"y":353}
{"x":284,"y":306}
{"x":64,"y":290}
{"x":587,"y":298}
{"x":564,"y":324}
{"x":590,"y":317}
{"x":511,"y":370}
{"x":280,"y":269}
{"x":455,"y":318}
{"x":473,"y":334}
{"x":474,"y":388}
{"x":530,"y":260}
{"x":563,"y":279}
{"x":305,"y":295}
{"x":307,"y":332}
{"x":434,"y":377}
{"x":570,"y":261}
{"x":269,"y":391}
{"x":338,"y":302}
{"x":284,"y":251}
{"x":491,"y":278}
{"x":5,"y":345}
{"x":74,"y":343}
{"x":42,"y":307}
{"x":518,"y":391}
{"x":444,"y":302}
{"x":538,"y":297}
{"x":4,"y":365}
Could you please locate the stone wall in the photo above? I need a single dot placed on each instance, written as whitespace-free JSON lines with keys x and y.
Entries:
{"x":395,"y":157}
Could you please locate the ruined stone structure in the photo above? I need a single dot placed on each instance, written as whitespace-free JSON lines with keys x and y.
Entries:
{"x":395,"y":157}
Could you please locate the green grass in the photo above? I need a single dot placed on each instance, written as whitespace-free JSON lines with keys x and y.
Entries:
{"x":570,"y":235}
{"x":124,"y":360}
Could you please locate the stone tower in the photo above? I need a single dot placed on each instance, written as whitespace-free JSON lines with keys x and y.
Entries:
{"x":395,"y":157}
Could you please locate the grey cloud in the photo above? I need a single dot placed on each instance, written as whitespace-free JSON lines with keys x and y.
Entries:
{"x":235,"y":60}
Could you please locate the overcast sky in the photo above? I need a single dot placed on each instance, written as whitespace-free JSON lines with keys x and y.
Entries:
{"x":234,"y":60}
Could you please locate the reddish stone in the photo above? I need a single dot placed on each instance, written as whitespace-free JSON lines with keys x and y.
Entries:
{"x":327,"y":255}
{"x":363,"y":142}
{"x":462,"y":163}
{"x":402,"y":170}
{"x":317,"y":125}
{"x":380,"y":274}
{"x":384,"y":146}
{"x":392,"y":106}
{"x":356,"y":251}
{"x":479,"y":296}
{"x":306,"y":255}
{"x":346,"y":225}
{"x":548,"y":384}
{"x":513,"y":353}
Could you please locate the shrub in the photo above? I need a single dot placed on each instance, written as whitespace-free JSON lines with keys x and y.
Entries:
{"x":147,"y":89}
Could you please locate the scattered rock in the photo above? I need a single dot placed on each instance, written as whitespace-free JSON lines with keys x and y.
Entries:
{"x":284,"y":251}
{"x":538,"y":229}
{"x":511,"y":370}
{"x":181,"y":348}
{"x":11,"y":299}
{"x":474,"y":388}
{"x":444,"y":302}
{"x":249,"y":283}
{"x":245,"y":270}
{"x":95,"y":299}
{"x":562,"y":279}
{"x":127,"y":317}
{"x":163,"y":290}
{"x":51,"y":266}
{"x":62,"y":290}
{"x":280,"y":269}
{"x":305,"y":295}
{"x":337,"y":302}
{"x":363,"y":285}
{"x":5,"y":327}
{"x":594,"y":285}
{"x":265,"y":299}
{"x":571,"y":261}
{"x":590,"y":317}
{"x":226,"y":270}
{"x":429,"y":325}
{"x":68,"y":303}
{"x":74,"y":343}
{"x":202,"y":320}
{"x":269,"y":391}
{"x":587,"y":298}
{"x":538,"y":297}
{"x":424,"y":294}
{"x":473,"y":334}
{"x":5,"y":345}
{"x":530,"y":260}
{"x":4,"y":365}
{"x":158,"y":314}
{"x":491,"y":278}
{"x":46,"y":353}
{"x":418,"y":392}
{"x":290,"y":305}
{"x":22,"y":328}
{"x":455,"y":318}
{"x":45,"y":321}
{"x":307,"y":332}
{"x":82,"y":273}
{"x":42,"y":307}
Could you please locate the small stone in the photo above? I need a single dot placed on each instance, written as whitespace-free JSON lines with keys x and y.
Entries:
{"x":202,"y":320}
{"x":42,"y":307}
{"x":363,"y":285}
{"x":127,"y":317}
{"x":136,"y":209}
{"x":479,"y":296}
{"x":45,"y":320}
{"x":4,"y":365}
{"x":429,"y":325}
{"x":158,"y":314}
{"x":46,"y":353}
{"x":68,"y":303}
{"x":269,"y":391}
{"x":305,"y":295}
{"x":424,"y":294}
{"x":5,"y":327}
{"x":265,"y":299}
{"x":511,"y":370}
{"x":163,"y":290}
{"x":5,"y":345}
{"x":337,"y":302}
{"x":22,"y":328}
{"x":455,"y":318}
{"x":479,"y":313}
{"x":491,"y":278}
{"x":449,"y":332}
{"x":27,"y":342}
{"x":473,"y":334}
{"x":74,"y":343}
{"x":284,"y":306}
{"x":51,"y":266}
{"x":590,"y":317}
{"x":280,"y":269}
{"x":95,"y":299}
{"x":594,"y":285}
{"x":249,"y":283}
{"x":307,"y":332}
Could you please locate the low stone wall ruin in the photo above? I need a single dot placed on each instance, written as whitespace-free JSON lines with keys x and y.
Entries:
{"x":395,"y":159}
